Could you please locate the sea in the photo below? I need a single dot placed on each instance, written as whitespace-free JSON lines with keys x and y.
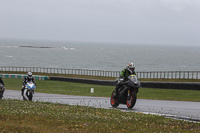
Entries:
{"x":98,"y":56}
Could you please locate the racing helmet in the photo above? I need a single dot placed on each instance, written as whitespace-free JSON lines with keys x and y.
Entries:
{"x":29,"y":75}
{"x":131,"y":67}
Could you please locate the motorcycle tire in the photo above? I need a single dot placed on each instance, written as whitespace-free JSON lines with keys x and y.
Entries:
{"x":113,"y":101}
{"x":1,"y":95}
{"x":29,"y":95}
{"x":131,"y":102}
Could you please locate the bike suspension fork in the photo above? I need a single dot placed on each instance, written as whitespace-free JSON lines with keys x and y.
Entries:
{"x":128,"y":92}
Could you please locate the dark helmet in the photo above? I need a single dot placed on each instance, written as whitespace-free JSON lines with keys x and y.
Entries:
{"x":131,"y":67}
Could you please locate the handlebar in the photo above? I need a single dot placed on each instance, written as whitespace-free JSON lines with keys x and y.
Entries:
{"x":124,"y":82}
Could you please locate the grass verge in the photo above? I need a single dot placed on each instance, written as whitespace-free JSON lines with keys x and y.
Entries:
{"x":69,"y":88}
{"x":25,"y":116}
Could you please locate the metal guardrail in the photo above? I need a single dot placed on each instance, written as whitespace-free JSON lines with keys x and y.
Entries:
{"x":141,"y":75}
{"x":62,"y":71}
{"x":169,"y":75}
{"x":19,"y":76}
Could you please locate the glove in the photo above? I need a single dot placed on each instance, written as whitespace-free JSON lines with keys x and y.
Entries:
{"x":120,"y":80}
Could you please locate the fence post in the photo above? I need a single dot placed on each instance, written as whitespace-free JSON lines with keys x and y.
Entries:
{"x":192,"y":74}
{"x":172,"y":75}
{"x":157,"y":75}
{"x":160,"y":75}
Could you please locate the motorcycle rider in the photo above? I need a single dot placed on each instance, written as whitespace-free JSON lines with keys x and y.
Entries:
{"x":130,"y":69}
{"x":28,"y":78}
{"x":1,"y":82}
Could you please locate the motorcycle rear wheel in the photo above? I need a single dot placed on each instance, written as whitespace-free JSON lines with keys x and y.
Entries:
{"x":131,"y":102}
{"x":113,"y":101}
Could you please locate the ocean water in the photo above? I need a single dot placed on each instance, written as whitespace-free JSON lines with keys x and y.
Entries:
{"x":98,"y":56}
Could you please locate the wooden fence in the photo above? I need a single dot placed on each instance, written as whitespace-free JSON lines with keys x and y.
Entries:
{"x":141,"y":75}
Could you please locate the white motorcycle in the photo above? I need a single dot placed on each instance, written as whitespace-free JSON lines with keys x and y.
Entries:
{"x":29,"y":91}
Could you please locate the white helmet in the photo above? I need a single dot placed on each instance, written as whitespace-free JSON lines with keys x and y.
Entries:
{"x":131,"y":67}
{"x":29,"y":74}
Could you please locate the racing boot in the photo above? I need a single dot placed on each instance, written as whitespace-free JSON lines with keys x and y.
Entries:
{"x":22,"y":91}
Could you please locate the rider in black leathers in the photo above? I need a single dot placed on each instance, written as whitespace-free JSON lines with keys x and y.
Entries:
{"x":1,"y":81}
{"x":27,"y":79}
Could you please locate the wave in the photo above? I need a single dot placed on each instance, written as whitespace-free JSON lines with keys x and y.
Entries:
{"x":3,"y":46}
{"x":67,"y":48}
{"x":34,"y":47}
{"x":40,"y":47}
{"x":8,"y":56}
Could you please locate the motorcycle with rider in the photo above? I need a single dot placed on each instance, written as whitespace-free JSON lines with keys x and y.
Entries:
{"x":2,"y":88}
{"x":28,"y":88}
{"x":127,"y":87}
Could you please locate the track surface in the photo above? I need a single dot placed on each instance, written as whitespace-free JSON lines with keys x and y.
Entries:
{"x":174,"y":109}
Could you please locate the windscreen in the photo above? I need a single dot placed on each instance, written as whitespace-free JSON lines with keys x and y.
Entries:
{"x":133,"y":78}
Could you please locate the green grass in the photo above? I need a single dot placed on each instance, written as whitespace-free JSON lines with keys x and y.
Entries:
{"x":69,"y":88}
{"x":26,"y":116}
{"x":169,"y":94}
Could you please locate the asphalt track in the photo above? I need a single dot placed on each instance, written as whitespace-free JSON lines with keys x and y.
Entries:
{"x":173,"y":109}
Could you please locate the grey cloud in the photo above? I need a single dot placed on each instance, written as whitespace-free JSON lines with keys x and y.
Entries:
{"x":122,"y":21}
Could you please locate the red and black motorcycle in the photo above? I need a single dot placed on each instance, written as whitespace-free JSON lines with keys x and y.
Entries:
{"x":127,"y":94}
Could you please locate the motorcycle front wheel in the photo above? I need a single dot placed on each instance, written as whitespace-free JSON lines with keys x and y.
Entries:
{"x":1,"y":95}
{"x":132,"y":100}
{"x":113,"y":101}
{"x":30,"y":95}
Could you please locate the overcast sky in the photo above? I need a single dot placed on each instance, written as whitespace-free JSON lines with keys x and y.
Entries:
{"x":121,"y":21}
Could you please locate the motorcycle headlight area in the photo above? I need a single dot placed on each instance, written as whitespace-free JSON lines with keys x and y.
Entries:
{"x":30,"y":86}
